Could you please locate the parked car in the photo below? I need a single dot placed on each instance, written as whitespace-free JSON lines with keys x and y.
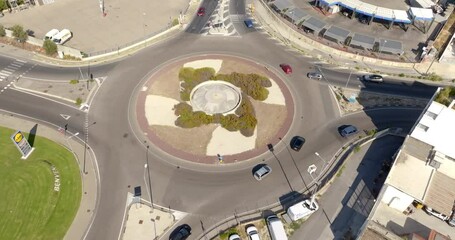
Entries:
{"x":262,"y":172}
{"x":435,"y":213}
{"x":302,"y":209}
{"x":252,"y":233}
{"x":182,"y":232}
{"x":201,"y":11}
{"x":347,"y":130}
{"x":297,"y":143}
{"x":314,"y":75}
{"x":234,"y":236}
{"x":373,"y":78}
{"x":248,"y":23}
{"x":286,"y":68}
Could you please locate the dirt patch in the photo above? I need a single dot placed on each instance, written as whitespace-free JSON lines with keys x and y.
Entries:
{"x":270,"y":119}
{"x":230,"y":66}
{"x":192,"y":140}
{"x":353,"y":100}
{"x":166,"y":84}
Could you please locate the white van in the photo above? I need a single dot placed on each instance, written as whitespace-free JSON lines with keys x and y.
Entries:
{"x":302,"y":209}
{"x":62,"y":36}
{"x":276,"y":228}
{"x":49,"y":35}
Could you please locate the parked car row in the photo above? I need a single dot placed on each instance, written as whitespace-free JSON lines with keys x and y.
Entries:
{"x":58,"y":37}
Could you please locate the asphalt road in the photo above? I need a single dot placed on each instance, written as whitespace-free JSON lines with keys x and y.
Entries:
{"x":208,"y":193}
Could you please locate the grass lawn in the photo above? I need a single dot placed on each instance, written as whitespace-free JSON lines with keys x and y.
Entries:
{"x":29,"y":206}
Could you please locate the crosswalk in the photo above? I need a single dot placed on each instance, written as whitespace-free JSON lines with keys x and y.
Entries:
{"x":7,"y":74}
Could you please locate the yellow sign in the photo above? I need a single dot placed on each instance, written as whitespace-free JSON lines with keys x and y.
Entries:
{"x":18,"y":137}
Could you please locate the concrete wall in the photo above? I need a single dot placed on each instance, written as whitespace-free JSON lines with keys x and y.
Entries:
{"x":397,"y":199}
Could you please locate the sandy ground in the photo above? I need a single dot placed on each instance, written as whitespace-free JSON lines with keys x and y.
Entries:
{"x":224,"y":142}
{"x":167,"y":84}
{"x":275,"y":95}
{"x":270,"y":118}
{"x":211,"y":63}
{"x":158,"y":110}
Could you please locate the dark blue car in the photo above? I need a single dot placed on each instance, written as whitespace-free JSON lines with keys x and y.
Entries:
{"x":248,"y":23}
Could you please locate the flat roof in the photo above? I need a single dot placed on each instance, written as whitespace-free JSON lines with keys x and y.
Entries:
{"x":441,"y":193}
{"x":314,"y":24}
{"x":421,"y":14}
{"x":410,"y":175}
{"x":363,"y":41}
{"x":440,"y":123}
{"x":390,"y":46}
{"x":340,"y":34}
{"x":401,"y":16}
{"x":384,"y":13}
{"x":297,"y":15}
{"x":366,"y":9}
{"x":282,"y":4}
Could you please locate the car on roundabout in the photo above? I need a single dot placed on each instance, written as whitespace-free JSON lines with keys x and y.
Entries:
{"x":314,"y":75}
{"x":297,"y":143}
{"x":286,"y":68}
{"x":262,"y":172}
{"x":182,"y":232}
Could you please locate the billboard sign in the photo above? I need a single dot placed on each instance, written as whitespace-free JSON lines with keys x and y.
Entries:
{"x":22,"y":144}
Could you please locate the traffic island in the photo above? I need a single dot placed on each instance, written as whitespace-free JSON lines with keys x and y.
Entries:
{"x":214,"y":109}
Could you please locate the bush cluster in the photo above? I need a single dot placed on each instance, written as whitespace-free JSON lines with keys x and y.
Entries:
{"x":446,"y":95}
{"x":191,"y":77}
{"x":252,"y":84}
{"x":244,"y":119}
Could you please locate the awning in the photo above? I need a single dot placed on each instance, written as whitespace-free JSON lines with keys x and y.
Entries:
{"x":366,"y":9}
{"x":362,"y":41}
{"x":281,"y":5}
{"x":351,"y":4}
{"x":337,"y":33}
{"x":297,"y":15}
{"x":390,"y":46}
{"x":330,"y":2}
{"x":421,"y":14}
{"x":401,"y":16}
{"x":314,"y":24}
{"x":384,"y":13}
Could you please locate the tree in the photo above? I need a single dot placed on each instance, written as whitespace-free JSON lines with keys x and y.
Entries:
{"x":19,"y":33}
{"x":2,"y":31}
{"x":50,"y":47}
{"x":3,"y":5}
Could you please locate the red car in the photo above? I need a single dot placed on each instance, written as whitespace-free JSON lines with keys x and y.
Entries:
{"x":286,"y":68}
{"x":201,"y":11}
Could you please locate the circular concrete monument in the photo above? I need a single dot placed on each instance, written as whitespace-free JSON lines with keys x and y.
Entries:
{"x":215,"y":97}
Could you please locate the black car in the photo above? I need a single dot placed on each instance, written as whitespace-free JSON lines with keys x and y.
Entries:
{"x":182,"y":232}
{"x":297,"y":143}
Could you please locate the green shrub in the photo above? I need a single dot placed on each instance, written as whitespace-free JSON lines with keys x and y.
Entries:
{"x":78,"y":101}
{"x":50,"y":47}
{"x":175,"y":22}
{"x":434,"y":77}
{"x":3,"y":5}
{"x":2,"y":31}
{"x":401,"y":75}
{"x":19,"y":34}
{"x":182,"y":108}
{"x":74,"y":81}
{"x":446,"y":95}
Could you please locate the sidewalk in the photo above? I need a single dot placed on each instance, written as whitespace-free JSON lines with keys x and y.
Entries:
{"x":277,"y":28}
{"x":84,"y":217}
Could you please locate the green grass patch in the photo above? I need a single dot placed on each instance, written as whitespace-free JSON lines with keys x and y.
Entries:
{"x":224,"y":235}
{"x":30,"y":208}
{"x":340,"y":171}
{"x":74,"y":81}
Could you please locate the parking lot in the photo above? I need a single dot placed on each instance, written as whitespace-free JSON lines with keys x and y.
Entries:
{"x":123,"y":23}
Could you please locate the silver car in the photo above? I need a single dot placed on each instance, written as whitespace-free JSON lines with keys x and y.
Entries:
{"x":262,"y":172}
{"x":373,"y":78}
{"x":314,"y":75}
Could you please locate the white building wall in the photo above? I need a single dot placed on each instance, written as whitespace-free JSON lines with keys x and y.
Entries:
{"x":396,"y":199}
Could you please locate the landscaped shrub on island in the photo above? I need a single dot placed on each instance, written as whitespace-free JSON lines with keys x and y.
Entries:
{"x":244,"y":120}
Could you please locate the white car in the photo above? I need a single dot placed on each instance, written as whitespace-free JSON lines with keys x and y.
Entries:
{"x":262,"y":172}
{"x":252,"y":233}
{"x":234,"y":236}
{"x":373,"y":78}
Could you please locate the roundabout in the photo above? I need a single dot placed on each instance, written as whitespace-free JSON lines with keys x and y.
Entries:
{"x":221,"y":105}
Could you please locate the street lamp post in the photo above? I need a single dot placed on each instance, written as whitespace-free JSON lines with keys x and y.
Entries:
{"x":317,"y":154}
{"x":146,"y":166}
